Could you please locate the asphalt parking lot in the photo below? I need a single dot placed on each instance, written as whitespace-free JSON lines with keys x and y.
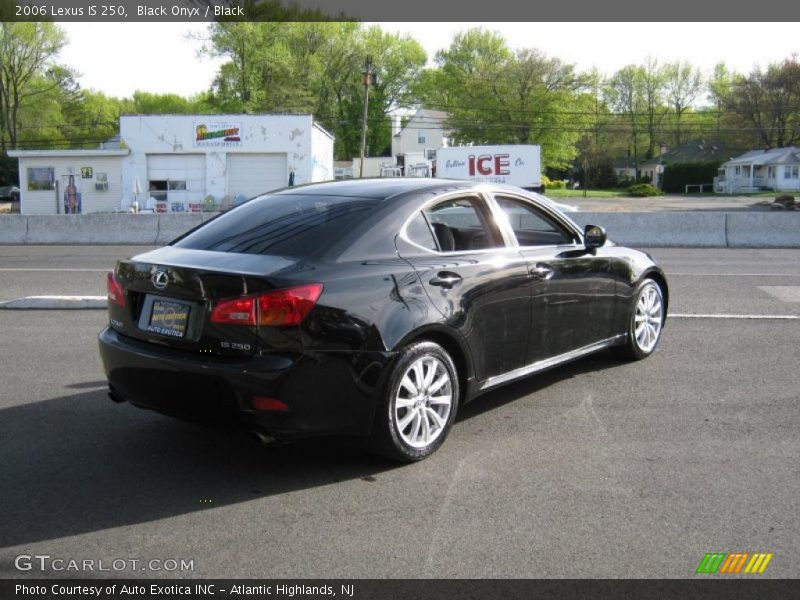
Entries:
{"x":598,"y":469}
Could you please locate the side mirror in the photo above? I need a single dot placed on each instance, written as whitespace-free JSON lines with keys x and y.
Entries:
{"x":594,"y":236}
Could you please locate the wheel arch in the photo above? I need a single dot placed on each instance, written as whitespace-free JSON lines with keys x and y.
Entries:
{"x":658,"y":276}
{"x":454,"y":346}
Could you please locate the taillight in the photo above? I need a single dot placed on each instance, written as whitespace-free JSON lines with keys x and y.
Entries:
{"x":281,"y":307}
{"x":116,"y":295}
{"x":241,"y":311}
{"x":270,"y":404}
{"x":287,"y":307}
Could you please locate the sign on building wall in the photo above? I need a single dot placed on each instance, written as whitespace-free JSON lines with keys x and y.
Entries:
{"x":217,"y":134}
{"x":72,"y":194}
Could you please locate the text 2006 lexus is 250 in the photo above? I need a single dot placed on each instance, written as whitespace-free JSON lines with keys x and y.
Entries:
{"x":371,"y":308}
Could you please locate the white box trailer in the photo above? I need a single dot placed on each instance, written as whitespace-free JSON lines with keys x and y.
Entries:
{"x":519,"y":165}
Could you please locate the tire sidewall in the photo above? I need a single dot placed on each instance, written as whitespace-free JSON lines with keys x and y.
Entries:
{"x":388,"y":425}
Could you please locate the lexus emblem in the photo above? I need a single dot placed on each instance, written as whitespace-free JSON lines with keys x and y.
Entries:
{"x":160,"y":279}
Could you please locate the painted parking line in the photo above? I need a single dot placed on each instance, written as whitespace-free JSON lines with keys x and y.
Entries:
{"x":724,"y":316}
{"x":55,"y":303}
{"x":53,"y":270}
{"x":711,"y":274}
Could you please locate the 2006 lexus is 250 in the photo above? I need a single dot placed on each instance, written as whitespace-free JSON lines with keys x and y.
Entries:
{"x":371,"y":308}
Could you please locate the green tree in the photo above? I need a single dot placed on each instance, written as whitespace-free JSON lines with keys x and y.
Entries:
{"x":626,"y":96}
{"x":767,"y":102}
{"x":27,"y":52}
{"x":316,"y":67}
{"x":494,"y":95}
{"x":653,"y":81}
{"x":683,"y":86}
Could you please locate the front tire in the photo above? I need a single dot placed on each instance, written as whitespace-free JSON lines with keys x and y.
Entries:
{"x":419,"y":403}
{"x":645,"y":322}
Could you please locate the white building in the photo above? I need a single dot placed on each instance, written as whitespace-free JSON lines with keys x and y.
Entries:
{"x":178,"y":163}
{"x":776,"y":169}
{"x":423,"y":133}
{"x":69,"y":181}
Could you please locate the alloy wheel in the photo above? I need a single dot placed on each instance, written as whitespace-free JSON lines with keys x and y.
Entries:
{"x":648,"y":318}
{"x":423,"y":402}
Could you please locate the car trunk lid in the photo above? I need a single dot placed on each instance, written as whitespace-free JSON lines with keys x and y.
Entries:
{"x":170,"y":293}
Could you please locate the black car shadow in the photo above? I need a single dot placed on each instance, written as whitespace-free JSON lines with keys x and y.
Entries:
{"x":511,"y":392}
{"x":78,"y":463}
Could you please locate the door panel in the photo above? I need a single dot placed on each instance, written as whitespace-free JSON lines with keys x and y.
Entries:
{"x":572,"y":288}
{"x":486,"y":297}
{"x":576,"y":299}
{"x":480,"y":286}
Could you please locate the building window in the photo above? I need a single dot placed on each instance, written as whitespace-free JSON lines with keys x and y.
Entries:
{"x":770,"y":172}
{"x":41,"y":178}
{"x":101,"y":182}
{"x":420,"y":136}
{"x":795,"y":171}
{"x":158,"y":190}
{"x":737,"y":170}
{"x":430,"y":155}
{"x":790,"y":172}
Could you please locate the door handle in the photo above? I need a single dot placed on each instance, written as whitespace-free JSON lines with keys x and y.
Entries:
{"x":542,"y":271}
{"x":445,"y":279}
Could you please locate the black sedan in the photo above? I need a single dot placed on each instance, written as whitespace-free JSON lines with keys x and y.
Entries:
{"x":371,"y":308}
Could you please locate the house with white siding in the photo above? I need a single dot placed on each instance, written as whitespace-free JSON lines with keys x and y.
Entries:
{"x":423,"y":133}
{"x":69,"y":181}
{"x":776,"y":169}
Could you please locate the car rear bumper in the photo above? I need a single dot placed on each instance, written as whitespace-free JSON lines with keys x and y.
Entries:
{"x":325,"y":392}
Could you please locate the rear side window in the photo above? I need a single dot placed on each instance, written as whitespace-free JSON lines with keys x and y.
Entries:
{"x":288,"y":225}
{"x":463,"y":224}
{"x":419,"y":232}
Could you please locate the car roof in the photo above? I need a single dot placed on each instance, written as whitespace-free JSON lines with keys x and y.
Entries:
{"x":377,"y":188}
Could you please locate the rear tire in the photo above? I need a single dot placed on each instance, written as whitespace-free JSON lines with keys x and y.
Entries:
{"x":418,"y":404}
{"x":645,"y":322}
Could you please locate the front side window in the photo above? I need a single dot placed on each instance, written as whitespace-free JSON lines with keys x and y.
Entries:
{"x":463,"y":225}
{"x":531,"y":226}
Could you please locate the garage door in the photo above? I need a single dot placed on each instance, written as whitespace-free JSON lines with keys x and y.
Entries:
{"x":179,"y":179}
{"x":253,"y":174}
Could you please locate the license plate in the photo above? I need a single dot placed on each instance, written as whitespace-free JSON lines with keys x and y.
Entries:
{"x":168,"y":317}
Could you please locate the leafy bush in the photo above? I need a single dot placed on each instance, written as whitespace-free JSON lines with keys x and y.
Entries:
{"x":640,"y":190}
{"x":677,"y":177}
{"x":557,"y":184}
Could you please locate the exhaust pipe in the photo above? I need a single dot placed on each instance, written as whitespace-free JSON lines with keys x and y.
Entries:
{"x":262,"y":438}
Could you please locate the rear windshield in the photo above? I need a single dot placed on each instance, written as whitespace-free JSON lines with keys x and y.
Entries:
{"x":283,"y":224}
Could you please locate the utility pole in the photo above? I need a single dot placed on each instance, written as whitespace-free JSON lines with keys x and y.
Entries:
{"x":367,"y":78}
